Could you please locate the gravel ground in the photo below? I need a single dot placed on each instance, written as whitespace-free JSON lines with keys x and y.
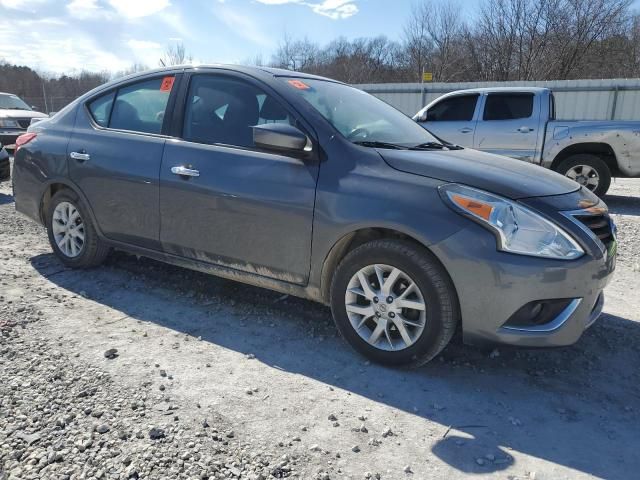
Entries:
{"x":143,"y":370}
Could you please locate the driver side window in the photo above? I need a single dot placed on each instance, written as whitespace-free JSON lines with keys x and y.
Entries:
{"x":223,"y":110}
{"x":453,"y":109}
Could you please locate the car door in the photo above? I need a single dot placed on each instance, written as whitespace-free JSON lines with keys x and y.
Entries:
{"x":509,"y":125}
{"x":236,"y":206}
{"x":453,"y":119}
{"x":115,"y":154}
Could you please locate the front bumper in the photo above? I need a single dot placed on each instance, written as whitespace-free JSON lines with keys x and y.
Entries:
{"x":8,"y":137}
{"x":493,"y":285}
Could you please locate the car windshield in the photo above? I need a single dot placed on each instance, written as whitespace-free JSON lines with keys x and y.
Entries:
{"x":12,"y":102}
{"x":360,"y":117}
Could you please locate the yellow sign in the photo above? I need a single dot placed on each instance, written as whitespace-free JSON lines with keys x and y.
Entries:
{"x":427,"y":76}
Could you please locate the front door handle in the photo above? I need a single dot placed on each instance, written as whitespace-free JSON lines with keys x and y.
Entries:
{"x":184,"y":171}
{"x":466,"y":130}
{"x":80,"y":156}
{"x":525,"y":129}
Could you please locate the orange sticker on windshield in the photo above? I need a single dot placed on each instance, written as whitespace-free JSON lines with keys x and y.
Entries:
{"x":299,"y":84}
{"x":167,"y":84}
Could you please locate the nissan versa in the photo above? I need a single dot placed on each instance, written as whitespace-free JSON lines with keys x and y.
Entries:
{"x":311,"y":187}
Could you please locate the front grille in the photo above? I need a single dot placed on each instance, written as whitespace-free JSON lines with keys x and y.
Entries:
{"x":600,"y":225}
{"x":23,"y":122}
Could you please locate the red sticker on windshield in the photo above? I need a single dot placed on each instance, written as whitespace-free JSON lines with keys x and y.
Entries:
{"x":299,"y":84}
{"x":167,"y":84}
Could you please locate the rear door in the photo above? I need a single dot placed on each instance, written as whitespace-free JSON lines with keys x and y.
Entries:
{"x":453,"y":119}
{"x":509,"y":125}
{"x":238,"y":207}
{"x":115,"y":154}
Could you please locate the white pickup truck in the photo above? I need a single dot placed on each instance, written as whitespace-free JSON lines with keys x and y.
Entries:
{"x":521,"y":123}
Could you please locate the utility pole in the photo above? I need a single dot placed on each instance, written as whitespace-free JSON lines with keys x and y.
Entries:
{"x":44,"y":96}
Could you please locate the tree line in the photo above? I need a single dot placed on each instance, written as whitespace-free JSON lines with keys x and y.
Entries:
{"x":503,"y":40}
{"x":50,"y":93}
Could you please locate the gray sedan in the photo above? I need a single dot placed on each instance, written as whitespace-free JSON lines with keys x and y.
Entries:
{"x":310,"y":187}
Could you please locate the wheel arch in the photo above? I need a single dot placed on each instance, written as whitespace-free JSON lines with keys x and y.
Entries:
{"x":600,"y":149}
{"x":354,"y":239}
{"x":54,"y":186}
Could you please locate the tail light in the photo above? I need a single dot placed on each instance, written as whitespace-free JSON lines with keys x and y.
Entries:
{"x":24,"y":139}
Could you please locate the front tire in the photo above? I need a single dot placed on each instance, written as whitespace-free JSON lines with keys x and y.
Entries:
{"x":588,"y":170}
{"x":72,"y":234}
{"x":394,"y":302}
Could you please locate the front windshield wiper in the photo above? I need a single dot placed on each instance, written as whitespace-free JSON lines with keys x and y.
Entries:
{"x":429,"y":146}
{"x":375,"y":144}
{"x":436,"y":146}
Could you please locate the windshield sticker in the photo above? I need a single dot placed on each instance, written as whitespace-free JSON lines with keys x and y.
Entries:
{"x":167,"y":84}
{"x":299,"y":84}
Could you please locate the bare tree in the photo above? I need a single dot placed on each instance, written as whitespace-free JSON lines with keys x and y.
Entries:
{"x":175,"y":54}
{"x":299,"y":55}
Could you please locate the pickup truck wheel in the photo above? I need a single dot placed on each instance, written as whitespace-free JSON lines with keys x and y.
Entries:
{"x":72,"y":235}
{"x":588,"y":170}
{"x":394,"y":302}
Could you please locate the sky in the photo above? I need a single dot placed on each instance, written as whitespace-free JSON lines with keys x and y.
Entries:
{"x":67,"y":36}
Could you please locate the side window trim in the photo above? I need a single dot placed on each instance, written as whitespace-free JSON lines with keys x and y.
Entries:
{"x":165,"y":130}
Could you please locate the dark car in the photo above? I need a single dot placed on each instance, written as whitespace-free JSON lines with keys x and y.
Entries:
{"x":15,"y":118}
{"x":5,"y":167}
{"x":313,"y":188}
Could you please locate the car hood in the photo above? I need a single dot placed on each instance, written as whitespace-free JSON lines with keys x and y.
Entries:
{"x":511,"y":178}
{"x":21,"y":114}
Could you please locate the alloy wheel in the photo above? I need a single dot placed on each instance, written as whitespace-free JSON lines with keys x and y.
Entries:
{"x":385,"y":307}
{"x":585,"y":175}
{"x":68,"y":229}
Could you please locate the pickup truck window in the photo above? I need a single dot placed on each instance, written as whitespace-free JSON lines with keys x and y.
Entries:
{"x":453,"y":109}
{"x":508,"y":106}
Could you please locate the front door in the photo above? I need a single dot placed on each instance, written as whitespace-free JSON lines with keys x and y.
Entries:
{"x":114,"y":157}
{"x":223,"y":201}
{"x":509,"y":125}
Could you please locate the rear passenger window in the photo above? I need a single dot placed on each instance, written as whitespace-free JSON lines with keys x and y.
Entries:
{"x":101,"y":109}
{"x":141,"y":107}
{"x":453,"y":109}
{"x":508,"y":106}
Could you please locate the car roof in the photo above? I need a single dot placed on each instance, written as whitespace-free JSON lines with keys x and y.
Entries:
{"x":276,"y":72}
{"x":499,"y":90}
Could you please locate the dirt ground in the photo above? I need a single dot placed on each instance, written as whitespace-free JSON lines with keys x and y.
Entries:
{"x":271,"y":379}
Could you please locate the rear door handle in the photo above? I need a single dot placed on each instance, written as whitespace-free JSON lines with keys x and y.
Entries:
{"x":80,"y":156}
{"x":184,"y":171}
{"x":525,"y":129}
{"x":466,"y":130}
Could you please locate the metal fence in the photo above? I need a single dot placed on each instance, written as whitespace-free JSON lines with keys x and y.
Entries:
{"x":575,"y":99}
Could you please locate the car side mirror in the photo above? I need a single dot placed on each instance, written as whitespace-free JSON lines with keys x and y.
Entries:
{"x":420,"y":117}
{"x":281,"y":137}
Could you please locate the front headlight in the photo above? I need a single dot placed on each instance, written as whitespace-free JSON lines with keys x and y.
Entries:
{"x":8,"y":123}
{"x":517,"y":228}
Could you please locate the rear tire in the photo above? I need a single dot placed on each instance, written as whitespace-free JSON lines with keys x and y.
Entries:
{"x":588,"y":170}
{"x":72,"y":234}
{"x":415,"y":326}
